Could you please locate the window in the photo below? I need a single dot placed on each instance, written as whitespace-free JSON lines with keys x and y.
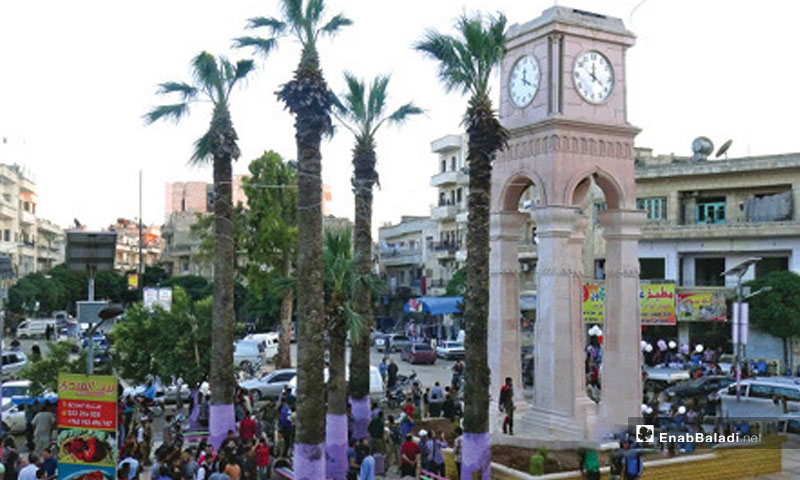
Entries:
{"x":656,"y":207}
{"x":599,"y":207}
{"x":443,"y":166}
{"x":458,"y":195}
{"x":761,"y":391}
{"x":6,"y":235}
{"x":600,"y":269}
{"x":708,"y":272}
{"x":791,"y":394}
{"x":710,"y":210}
{"x":453,"y":163}
{"x":651,"y":268}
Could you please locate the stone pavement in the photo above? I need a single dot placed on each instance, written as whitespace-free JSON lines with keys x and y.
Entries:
{"x":790,"y":459}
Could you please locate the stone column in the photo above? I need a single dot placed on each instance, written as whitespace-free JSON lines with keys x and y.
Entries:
{"x":555,"y":277}
{"x":504,"y":335}
{"x":622,"y":332}
{"x":575,"y":252}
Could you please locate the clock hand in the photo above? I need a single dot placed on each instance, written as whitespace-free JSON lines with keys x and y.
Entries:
{"x":524,"y":80}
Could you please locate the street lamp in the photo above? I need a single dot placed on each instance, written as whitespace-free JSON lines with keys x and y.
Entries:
{"x":739,"y":271}
{"x":104,"y":314}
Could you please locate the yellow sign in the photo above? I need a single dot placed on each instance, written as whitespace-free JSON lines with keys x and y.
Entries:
{"x":97,"y":388}
{"x":133,"y":281}
{"x":657,"y":303}
{"x":697,"y":305}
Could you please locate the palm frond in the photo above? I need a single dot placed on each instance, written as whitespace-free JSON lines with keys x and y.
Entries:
{"x":261,"y":45}
{"x":187,"y":91}
{"x":206,"y":73}
{"x":334,"y":24}
{"x":275,"y":26}
{"x":314,"y":9}
{"x":452,"y":71}
{"x":293,"y":11}
{"x":176,"y":111}
{"x":356,"y":109}
{"x":376,"y":99}
{"x":401,"y":114}
{"x":355,"y":323}
{"x":202,"y":149}
{"x":243,"y":68}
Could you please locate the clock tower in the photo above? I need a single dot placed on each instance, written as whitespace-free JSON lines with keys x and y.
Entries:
{"x":562,"y":98}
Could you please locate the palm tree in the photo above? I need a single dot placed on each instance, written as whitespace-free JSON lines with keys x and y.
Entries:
{"x":465,"y":64}
{"x":342,"y":281}
{"x":363,"y":112}
{"x":214,"y":79}
{"x":307,"y":96}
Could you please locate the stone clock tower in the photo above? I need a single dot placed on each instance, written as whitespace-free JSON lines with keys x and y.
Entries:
{"x":562,"y":98}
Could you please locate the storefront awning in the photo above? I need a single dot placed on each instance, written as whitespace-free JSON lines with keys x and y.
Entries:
{"x":434,"y":305}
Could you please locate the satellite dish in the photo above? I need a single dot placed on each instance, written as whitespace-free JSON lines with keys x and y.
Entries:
{"x":724,"y":149}
{"x":702,"y":147}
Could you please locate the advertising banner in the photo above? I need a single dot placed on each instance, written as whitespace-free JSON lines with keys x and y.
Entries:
{"x":657,"y":303}
{"x":87,"y":427}
{"x":697,"y":305}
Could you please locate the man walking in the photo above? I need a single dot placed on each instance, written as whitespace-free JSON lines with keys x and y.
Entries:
{"x":507,"y":406}
{"x":392,"y":372}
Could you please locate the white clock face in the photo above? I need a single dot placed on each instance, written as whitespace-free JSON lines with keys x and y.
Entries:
{"x":524,"y":81}
{"x":593,"y":76}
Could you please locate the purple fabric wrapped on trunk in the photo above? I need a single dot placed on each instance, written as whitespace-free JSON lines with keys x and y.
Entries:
{"x":336,"y":446}
{"x":476,"y":455}
{"x":193,"y":423}
{"x":360,"y":409}
{"x":221,"y":419}
{"x":309,"y":461}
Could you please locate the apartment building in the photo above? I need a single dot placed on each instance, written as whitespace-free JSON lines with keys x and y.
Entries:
{"x":33,"y":244}
{"x":127,"y":251}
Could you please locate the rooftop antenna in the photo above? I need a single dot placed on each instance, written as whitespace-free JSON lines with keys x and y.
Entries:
{"x":702,"y":147}
{"x":723,"y":150}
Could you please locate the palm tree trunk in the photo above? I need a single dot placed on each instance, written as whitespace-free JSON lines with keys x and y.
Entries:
{"x":308,"y":98}
{"x":364,"y":177}
{"x":221,"y":410}
{"x":284,"y":358}
{"x":485,"y":136}
{"x":336,"y":419}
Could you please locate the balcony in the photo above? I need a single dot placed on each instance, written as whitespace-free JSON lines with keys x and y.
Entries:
{"x":450,"y":177}
{"x":49,"y":227}
{"x":446,"y":143}
{"x":27,"y":218}
{"x":7,"y":212}
{"x":445,"y":212}
{"x":396,"y":258}
{"x":671,"y":231}
{"x":27,"y":185}
{"x":444,"y":250}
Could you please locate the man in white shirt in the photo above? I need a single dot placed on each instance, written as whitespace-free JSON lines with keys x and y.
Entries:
{"x":28,"y":467}
{"x":134,"y":469}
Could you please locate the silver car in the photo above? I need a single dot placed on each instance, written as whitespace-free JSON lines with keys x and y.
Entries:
{"x":270,"y":385}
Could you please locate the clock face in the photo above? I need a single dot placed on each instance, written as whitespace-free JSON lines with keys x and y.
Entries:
{"x":593,"y":76}
{"x":524,"y":81}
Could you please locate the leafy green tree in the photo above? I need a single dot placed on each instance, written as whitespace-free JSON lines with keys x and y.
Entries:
{"x":363,"y":111}
{"x":457,"y":284}
{"x":214,"y":80}
{"x":195,"y":286}
{"x":165,"y":343}
{"x":309,"y":99}
{"x":271,"y":239}
{"x":43,"y":372}
{"x":776,"y":311}
{"x":466,"y":62}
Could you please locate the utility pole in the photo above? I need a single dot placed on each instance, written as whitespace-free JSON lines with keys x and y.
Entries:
{"x":141,"y":240}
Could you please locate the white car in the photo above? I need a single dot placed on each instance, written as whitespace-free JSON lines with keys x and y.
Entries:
{"x":13,"y":363}
{"x":13,"y":417}
{"x":35,"y":327}
{"x":758,"y":397}
{"x":249,"y":353}
{"x":450,"y":350}
{"x":375,"y":383}
{"x":269,"y":342}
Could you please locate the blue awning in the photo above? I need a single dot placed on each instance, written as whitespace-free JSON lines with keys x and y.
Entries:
{"x":527,"y":302}
{"x":33,"y":400}
{"x":434,"y":305}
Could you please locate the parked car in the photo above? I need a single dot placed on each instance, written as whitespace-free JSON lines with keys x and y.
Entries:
{"x":397,"y":342}
{"x":376,"y":392}
{"x":269,"y":341}
{"x":13,"y":417}
{"x":419,"y":353}
{"x":758,"y":397}
{"x":249,"y":353}
{"x":450,"y":350}
{"x":695,"y":388}
{"x":660,"y":377}
{"x":16,"y":389}
{"x":35,"y":327}
{"x":13,"y":363}
{"x":270,"y":385}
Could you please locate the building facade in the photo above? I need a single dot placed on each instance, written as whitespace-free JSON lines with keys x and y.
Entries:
{"x":127,"y":251}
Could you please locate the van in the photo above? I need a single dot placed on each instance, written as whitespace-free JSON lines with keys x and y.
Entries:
{"x":758,"y":397}
{"x":35,"y":327}
{"x":269,"y":341}
{"x":248,"y":353}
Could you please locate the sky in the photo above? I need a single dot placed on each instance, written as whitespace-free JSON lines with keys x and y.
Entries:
{"x":78,"y":76}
